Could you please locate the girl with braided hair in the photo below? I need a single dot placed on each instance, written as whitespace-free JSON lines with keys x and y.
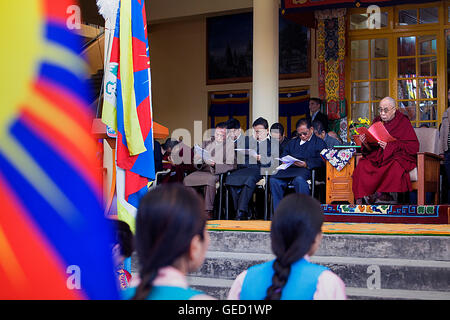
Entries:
{"x":171,"y":240}
{"x":295,"y":236}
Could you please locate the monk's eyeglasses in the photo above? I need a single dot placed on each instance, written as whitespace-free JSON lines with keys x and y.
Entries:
{"x":385,"y":110}
{"x":303,"y":133}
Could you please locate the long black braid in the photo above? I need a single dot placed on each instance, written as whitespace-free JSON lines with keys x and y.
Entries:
{"x":295,"y":225}
{"x":168,"y":218}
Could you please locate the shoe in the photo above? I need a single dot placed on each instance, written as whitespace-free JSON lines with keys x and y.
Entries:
{"x":372,"y":198}
{"x":385,"y":198}
{"x":242,"y":215}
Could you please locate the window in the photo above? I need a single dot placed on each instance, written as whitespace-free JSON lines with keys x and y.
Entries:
{"x":369,"y":76}
{"x":406,"y":61}
{"x":418,"y":16}
{"x":417,"y":78}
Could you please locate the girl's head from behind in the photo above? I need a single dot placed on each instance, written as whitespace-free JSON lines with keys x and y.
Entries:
{"x":295,"y":232}
{"x":170,"y":231}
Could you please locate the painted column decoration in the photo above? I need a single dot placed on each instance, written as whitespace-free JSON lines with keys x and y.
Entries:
{"x":331,"y":62}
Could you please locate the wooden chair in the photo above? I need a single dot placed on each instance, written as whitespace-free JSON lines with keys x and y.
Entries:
{"x":425,"y":178}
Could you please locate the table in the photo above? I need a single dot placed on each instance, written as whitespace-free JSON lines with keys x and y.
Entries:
{"x":339,"y":183}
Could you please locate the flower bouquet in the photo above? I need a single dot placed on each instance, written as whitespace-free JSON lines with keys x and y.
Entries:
{"x":353,"y":126}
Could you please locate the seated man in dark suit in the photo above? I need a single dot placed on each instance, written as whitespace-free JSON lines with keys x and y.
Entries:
{"x":319,"y":131}
{"x":306,"y":147}
{"x":315,"y":114}
{"x":277,"y":133}
{"x":234,"y":130}
{"x":242,"y":182}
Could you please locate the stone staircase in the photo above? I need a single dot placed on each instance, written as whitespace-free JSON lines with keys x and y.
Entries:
{"x":372,"y":267}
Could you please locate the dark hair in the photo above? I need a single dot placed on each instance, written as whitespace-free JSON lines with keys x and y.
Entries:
{"x":316,"y":100}
{"x":170,"y":143}
{"x":233,"y":123}
{"x":168,"y":217}
{"x":318,"y":126}
{"x":261,"y":122}
{"x":222,"y":125}
{"x":303,"y":121}
{"x":123,"y":236}
{"x":277,"y":126}
{"x":296,"y":222}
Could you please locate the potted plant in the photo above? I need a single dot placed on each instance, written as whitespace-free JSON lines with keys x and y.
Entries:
{"x":353,"y":126}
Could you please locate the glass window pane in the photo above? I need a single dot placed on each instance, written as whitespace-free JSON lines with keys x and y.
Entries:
{"x":379,"y":69}
{"x":406,"y":46}
{"x":375,"y":110}
{"x":407,"y":17}
{"x":448,"y":12}
{"x":427,"y":88}
{"x":379,"y":90}
{"x":406,"y":68}
{"x":427,"y":44}
{"x":428,"y":15}
{"x":358,"y":21}
{"x":361,"y":21}
{"x":360,"y":110}
{"x":379,"y":48}
{"x":406,"y":89}
{"x":427,"y":66}
{"x":408,"y":108}
{"x":360,"y":49}
{"x":360,"y":70}
{"x":360,"y":91}
{"x":428,"y":110}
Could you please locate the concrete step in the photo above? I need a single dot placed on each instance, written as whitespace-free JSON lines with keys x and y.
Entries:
{"x":219,"y":289}
{"x":363,"y":246}
{"x":398,"y":274}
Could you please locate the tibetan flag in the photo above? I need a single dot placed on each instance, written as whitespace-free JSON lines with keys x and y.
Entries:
{"x":54,"y":241}
{"x":128,"y":107}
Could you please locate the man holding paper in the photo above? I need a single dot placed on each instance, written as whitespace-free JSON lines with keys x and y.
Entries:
{"x":298,"y":158}
{"x":389,"y":154}
{"x":253,"y":154}
{"x":216,"y":157}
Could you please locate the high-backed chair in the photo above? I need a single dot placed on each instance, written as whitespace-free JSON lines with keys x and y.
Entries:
{"x":425,"y":177}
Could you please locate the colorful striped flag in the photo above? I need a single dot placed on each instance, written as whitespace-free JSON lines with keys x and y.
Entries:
{"x":54,"y":241}
{"x":127,"y":107}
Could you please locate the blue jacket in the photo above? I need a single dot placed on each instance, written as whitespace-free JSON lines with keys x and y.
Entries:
{"x":301,"y":284}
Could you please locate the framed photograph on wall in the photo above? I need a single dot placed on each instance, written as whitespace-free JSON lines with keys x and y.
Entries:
{"x":230,"y":49}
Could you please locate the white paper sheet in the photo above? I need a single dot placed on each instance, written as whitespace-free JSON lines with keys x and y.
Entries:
{"x":250,"y":152}
{"x":287,"y":161}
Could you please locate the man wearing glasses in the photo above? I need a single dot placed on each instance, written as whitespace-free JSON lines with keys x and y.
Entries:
{"x":306,"y":147}
{"x":385,"y":166}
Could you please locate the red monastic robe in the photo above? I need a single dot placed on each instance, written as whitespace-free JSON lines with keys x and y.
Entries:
{"x":388,"y":170}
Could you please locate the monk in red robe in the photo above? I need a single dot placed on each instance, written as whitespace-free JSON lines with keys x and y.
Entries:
{"x":385,"y":166}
